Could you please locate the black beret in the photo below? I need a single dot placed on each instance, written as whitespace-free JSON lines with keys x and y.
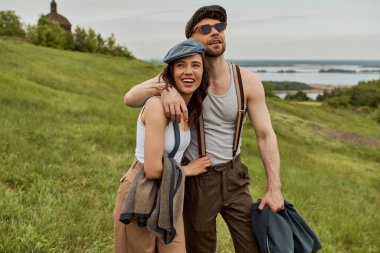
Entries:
{"x":211,"y":11}
{"x":183,"y":49}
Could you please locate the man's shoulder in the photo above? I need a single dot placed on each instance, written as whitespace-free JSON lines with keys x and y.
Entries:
{"x":249,"y":78}
{"x":246,"y":73}
{"x":252,"y":86}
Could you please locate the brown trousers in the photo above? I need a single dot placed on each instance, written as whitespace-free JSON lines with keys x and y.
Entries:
{"x":134,"y":239}
{"x":222,"y":189}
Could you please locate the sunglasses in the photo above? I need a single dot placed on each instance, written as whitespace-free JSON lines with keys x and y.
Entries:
{"x":206,"y":29}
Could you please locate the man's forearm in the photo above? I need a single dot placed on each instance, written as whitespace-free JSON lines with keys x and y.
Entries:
{"x":271,"y":160}
{"x":137,"y":96}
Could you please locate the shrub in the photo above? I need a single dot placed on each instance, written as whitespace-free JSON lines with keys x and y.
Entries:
{"x":89,"y":41}
{"x":363,"y":94}
{"x":299,"y":96}
{"x":10,"y":24}
{"x":377,"y":116}
{"x":366,"y":94}
{"x":269,"y":91}
{"x":48,"y":34}
{"x":51,"y":34}
{"x":286,"y":85}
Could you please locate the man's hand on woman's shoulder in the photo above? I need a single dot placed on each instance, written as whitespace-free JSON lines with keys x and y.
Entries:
{"x":174,"y":105}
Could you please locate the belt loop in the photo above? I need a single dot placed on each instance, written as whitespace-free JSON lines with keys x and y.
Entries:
{"x":235,"y":161}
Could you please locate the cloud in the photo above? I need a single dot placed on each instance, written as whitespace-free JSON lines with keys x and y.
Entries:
{"x":299,"y":28}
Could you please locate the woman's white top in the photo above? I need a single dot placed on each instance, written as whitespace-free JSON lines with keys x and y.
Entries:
{"x":169,"y":140}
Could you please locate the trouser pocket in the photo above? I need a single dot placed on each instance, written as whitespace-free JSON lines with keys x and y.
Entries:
{"x":236,"y":177}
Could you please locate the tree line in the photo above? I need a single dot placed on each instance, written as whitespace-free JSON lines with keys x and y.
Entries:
{"x":51,"y":34}
{"x":365,"y":94}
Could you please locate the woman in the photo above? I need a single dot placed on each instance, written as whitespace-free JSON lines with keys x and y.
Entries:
{"x":187,"y":73}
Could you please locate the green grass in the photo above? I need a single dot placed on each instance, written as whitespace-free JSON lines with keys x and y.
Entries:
{"x":66,"y":138}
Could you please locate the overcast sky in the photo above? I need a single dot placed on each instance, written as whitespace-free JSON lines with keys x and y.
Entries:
{"x":257,"y":29}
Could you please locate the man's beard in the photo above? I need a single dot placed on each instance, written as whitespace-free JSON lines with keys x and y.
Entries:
{"x":214,"y":53}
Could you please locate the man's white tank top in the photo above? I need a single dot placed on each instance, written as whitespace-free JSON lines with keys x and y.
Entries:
{"x":219,"y":115}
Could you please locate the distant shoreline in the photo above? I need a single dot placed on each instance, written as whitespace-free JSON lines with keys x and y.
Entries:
{"x":317,"y":88}
{"x":265,"y":63}
{"x":321,"y":86}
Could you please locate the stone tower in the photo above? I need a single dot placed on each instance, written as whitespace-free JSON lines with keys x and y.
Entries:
{"x":54,"y":16}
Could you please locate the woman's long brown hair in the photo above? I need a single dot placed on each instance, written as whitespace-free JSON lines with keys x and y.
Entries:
{"x":195,"y":104}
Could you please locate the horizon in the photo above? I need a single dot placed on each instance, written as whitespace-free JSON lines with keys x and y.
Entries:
{"x":293,"y":60}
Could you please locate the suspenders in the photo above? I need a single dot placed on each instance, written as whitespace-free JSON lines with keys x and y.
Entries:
{"x":241,"y":108}
{"x":177,"y":140}
{"x":238,"y":121}
{"x":201,"y":137}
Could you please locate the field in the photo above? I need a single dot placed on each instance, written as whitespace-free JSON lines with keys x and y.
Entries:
{"x":66,"y":138}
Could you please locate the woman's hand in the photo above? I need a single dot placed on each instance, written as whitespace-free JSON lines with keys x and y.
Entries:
{"x":197,"y":166}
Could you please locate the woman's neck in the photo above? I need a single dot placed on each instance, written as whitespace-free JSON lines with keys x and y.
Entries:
{"x":186,"y":98}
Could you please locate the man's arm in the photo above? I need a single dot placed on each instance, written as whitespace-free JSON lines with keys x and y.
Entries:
{"x":172,"y":101}
{"x":266,"y":139}
{"x":137,"y":96}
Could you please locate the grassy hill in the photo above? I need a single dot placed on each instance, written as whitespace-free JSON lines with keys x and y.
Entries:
{"x":66,"y":138}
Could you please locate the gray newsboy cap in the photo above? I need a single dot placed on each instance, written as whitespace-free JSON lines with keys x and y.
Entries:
{"x":183,"y":49}
{"x":210,"y":11}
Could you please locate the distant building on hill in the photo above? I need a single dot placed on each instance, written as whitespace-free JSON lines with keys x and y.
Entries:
{"x":54,"y":16}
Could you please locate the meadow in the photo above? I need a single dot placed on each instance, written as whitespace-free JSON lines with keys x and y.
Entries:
{"x":66,"y":138}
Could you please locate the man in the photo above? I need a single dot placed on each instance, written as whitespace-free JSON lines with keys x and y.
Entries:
{"x":224,"y":188}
